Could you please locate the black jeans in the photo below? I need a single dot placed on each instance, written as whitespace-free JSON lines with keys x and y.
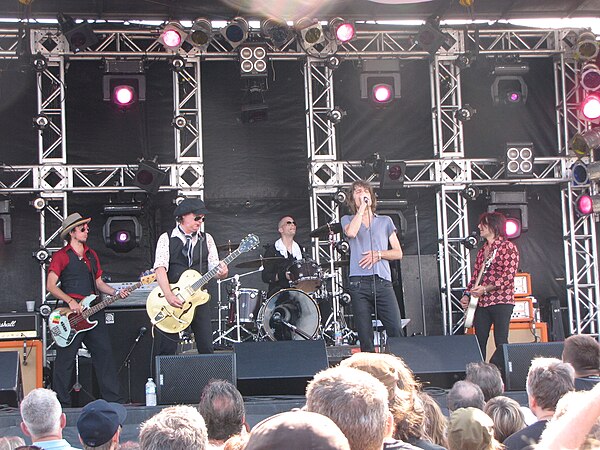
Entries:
{"x":499,"y":315}
{"x":366,"y":297}
{"x":166,"y":343}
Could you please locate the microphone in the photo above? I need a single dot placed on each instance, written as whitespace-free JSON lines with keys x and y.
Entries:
{"x":141,"y":332}
{"x":366,"y":199}
{"x":277,"y":317}
{"x":24,"y":352}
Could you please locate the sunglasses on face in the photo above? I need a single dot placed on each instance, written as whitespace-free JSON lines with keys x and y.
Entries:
{"x":199,"y":218}
{"x":291,"y":222}
{"x":83,"y":228}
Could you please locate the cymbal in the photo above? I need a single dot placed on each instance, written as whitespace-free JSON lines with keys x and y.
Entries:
{"x":256,"y":263}
{"x":229,"y":247}
{"x":336,"y":264}
{"x":323,"y":231}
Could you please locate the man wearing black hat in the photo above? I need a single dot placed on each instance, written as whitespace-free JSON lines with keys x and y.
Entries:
{"x":186,"y":247}
{"x":77,"y":267}
{"x":99,"y":425}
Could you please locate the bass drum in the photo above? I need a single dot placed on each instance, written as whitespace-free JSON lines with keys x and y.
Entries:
{"x":285,"y":311}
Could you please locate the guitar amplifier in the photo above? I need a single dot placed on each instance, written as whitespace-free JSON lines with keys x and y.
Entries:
{"x":523,"y":310}
{"x":19,"y":326}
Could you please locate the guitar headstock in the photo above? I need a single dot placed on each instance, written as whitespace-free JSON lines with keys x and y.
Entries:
{"x":250,"y":242}
{"x":147,"y":277}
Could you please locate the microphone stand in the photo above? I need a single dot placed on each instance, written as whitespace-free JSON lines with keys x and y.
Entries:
{"x":127,"y":363}
{"x":294,"y":328}
{"x":420,"y":271}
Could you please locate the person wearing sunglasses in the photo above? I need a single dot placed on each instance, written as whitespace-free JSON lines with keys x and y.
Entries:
{"x":186,"y":247}
{"x":77,"y":267}
{"x":276,"y":273}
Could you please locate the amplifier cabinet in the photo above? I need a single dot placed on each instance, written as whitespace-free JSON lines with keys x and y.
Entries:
{"x":14,"y":326}
{"x":520,"y":333}
{"x":31,"y":366}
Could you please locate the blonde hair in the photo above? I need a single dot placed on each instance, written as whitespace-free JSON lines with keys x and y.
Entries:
{"x":507,"y":416}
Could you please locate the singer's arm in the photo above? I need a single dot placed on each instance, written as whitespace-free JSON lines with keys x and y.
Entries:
{"x":353,"y":227}
{"x":395,"y":252}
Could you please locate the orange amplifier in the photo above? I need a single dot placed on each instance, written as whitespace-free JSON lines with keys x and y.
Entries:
{"x":523,"y":310}
{"x":522,"y":285}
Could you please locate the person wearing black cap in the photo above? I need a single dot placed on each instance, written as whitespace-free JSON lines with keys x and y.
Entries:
{"x":99,"y":425}
{"x":77,"y":267}
{"x":186,"y":247}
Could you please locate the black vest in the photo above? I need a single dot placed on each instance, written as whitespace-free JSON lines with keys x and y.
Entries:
{"x":76,"y":278}
{"x":178,"y":262}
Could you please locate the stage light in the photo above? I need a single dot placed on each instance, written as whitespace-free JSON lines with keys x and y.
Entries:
{"x":579,"y":173}
{"x":177,"y":63}
{"x":519,"y":160}
{"x":373,"y":165}
{"x":590,"y":107}
{"x":512,"y":228}
{"x":311,"y":32}
{"x":39,"y":203}
{"x":124,"y":82}
{"x":42,"y":255}
{"x":336,"y":115}
{"x":253,"y":60}
{"x":201,"y":34}
{"x":471,"y":192}
{"x":513,"y":205}
{"x":254,"y":106}
{"x":586,"y":46}
{"x":340,"y":196}
{"x":430,"y":38}
{"x":343,"y":247}
{"x":584,"y":204}
{"x":172,"y":36}
{"x":6,"y":219}
{"x":39,"y":62}
{"x":590,"y":77}
{"x":278,"y":32}
{"x":122,"y":233}
{"x":471,"y":241}
{"x":180,"y":122}
{"x":585,"y":143}
{"x":333,"y":62}
{"x":465,"y":113}
{"x":509,"y":87}
{"x":79,"y":36}
{"x":41,"y":121}
{"x":343,"y":30}
{"x":236,"y":32}
{"x":380,"y":80}
{"x":391,"y":175}
{"x":149,"y":177}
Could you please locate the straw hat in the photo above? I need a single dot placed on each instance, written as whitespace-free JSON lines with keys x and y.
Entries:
{"x":71,"y":222}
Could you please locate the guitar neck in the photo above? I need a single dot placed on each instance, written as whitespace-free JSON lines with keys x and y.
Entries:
{"x":104,"y":303}
{"x":212,"y":272}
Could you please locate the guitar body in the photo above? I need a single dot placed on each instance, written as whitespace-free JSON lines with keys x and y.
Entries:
{"x":470,"y":312}
{"x":65,"y":324}
{"x":170,"y":319}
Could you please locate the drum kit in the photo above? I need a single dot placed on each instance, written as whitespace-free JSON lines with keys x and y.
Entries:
{"x":289,"y":314}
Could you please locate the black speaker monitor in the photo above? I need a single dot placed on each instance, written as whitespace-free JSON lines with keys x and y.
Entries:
{"x":518,"y":357}
{"x":11,"y":384}
{"x":437,"y":360}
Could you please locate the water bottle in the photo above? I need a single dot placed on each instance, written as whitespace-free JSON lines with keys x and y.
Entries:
{"x":338,"y":336}
{"x":150,"y":393}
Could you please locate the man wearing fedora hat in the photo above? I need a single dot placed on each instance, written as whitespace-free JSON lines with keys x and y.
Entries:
{"x":77,"y":267}
{"x":186,"y":247}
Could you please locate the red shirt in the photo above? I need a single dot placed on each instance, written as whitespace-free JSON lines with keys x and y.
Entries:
{"x":60,"y":260}
{"x":500,"y":273}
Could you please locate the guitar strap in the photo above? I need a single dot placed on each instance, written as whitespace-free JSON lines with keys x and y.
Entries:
{"x":201,"y":244}
{"x":93,"y":264}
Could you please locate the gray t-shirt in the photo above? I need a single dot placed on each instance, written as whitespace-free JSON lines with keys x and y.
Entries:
{"x":377,"y":238}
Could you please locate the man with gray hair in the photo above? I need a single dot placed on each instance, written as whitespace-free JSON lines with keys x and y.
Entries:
{"x":178,"y":427}
{"x":548,"y":380}
{"x":465,"y":394}
{"x":222,"y":408}
{"x":357,"y":402}
{"x":43,"y":420}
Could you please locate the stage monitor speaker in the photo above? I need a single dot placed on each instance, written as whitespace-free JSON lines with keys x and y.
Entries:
{"x":518,"y":357}
{"x":181,"y":378}
{"x":31,"y":365}
{"x":11,"y":383}
{"x":437,"y":361}
{"x":278,"y":368}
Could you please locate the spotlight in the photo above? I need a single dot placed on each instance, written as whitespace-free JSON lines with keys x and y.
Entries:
{"x":380,"y":80}
{"x":430,"y":38}
{"x":122,"y":233}
{"x":586,"y":47}
{"x":180,"y":122}
{"x":148,"y":176}
{"x":512,"y":228}
{"x":41,"y":121}
{"x":584,"y":204}
{"x":464,"y":60}
{"x":373,"y":165}
{"x":336,"y":115}
{"x":513,"y":205}
{"x":509,"y":87}
{"x":579,"y":173}
{"x":278,"y":32}
{"x":39,"y":62}
{"x":177,"y":63}
{"x":471,"y":241}
{"x":391,"y":175}
{"x":172,"y":36}
{"x":333,"y":62}
{"x":124,"y":82}
{"x":254,"y":106}
{"x":465,"y":113}
{"x":343,"y":247}
{"x":590,"y":77}
{"x":253,"y":60}
{"x":38,"y":203}
{"x":79,"y":36}
{"x":340,"y":196}
{"x":311,"y":32}
{"x":471,"y":192}
{"x":236,"y":32}
{"x":593,"y":170}
{"x":519,"y":160}
{"x":6,"y":221}
{"x":343,"y":30}
{"x":42,"y":255}
{"x":201,"y":34}
{"x":590,"y":107}
{"x":585,"y":143}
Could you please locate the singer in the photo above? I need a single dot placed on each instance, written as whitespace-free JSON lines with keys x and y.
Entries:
{"x":373,"y":242}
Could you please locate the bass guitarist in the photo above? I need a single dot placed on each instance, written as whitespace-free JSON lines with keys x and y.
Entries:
{"x":78,"y":269}
{"x":186,"y":247}
{"x":497,"y":285}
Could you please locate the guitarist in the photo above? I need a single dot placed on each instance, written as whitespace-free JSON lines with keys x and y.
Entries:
{"x":78,"y":269}
{"x":496,"y":288}
{"x":186,"y":247}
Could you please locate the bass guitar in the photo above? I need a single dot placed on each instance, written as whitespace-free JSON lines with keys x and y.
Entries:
{"x":189,"y":290}
{"x":470,"y":312}
{"x":64,"y":324}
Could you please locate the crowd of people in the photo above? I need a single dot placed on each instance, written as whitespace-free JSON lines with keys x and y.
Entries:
{"x":370,"y":401}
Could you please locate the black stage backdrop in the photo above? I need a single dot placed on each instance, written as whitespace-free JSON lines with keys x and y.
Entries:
{"x":255,"y":173}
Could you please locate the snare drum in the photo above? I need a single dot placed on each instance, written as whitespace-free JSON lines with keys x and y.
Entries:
{"x":249,"y":301}
{"x":305,"y":274}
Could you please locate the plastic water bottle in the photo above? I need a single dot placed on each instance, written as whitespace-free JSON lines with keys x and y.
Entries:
{"x":150,"y":392}
{"x":338,"y":336}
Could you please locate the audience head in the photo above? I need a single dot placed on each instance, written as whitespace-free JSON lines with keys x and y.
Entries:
{"x":583,"y":353}
{"x":465,"y":394}
{"x":548,"y":380}
{"x":506,"y":415}
{"x":11,"y":442}
{"x":356,"y":401}
{"x":487,"y":376}
{"x":222,"y":408}
{"x":471,"y":429}
{"x":435,"y":423}
{"x":297,"y":430}
{"x":42,"y":415}
{"x":129,"y":445}
{"x":237,"y":442}
{"x":99,"y":424}
{"x":402,"y":388}
{"x":178,"y":427}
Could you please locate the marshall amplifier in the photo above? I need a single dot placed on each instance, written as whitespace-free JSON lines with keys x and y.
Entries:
{"x":19,"y":326}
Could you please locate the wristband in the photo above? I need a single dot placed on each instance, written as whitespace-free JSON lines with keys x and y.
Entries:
{"x":466,"y":293}
{"x":484,"y":290}
{"x":379,"y":254}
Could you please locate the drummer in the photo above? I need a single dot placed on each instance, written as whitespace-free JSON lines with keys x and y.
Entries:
{"x":276,"y":273}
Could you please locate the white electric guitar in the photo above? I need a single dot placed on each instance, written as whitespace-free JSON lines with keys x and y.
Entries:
{"x":470,"y":312}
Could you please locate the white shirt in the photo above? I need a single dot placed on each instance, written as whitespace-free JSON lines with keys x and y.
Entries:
{"x":162,"y":248}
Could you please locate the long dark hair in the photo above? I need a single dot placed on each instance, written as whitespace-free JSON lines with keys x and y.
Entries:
{"x":350,"y":196}
{"x":496,"y":221}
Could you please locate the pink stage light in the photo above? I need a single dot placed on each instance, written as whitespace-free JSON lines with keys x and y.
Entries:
{"x":345,"y":32}
{"x":590,"y":107}
{"x":382,"y":93}
{"x":585,"y":205}
{"x":171,"y":38}
{"x":123,"y":95}
{"x":512,"y":228}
